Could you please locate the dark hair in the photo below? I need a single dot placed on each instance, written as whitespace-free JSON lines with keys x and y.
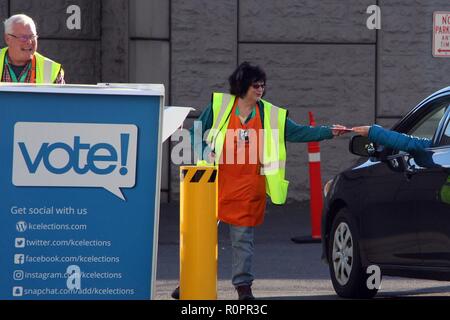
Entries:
{"x":243,"y":77}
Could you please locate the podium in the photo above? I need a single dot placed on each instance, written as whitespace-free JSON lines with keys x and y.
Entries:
{"x":79,"y":185}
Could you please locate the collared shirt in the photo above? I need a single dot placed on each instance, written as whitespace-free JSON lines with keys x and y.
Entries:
{"x":6,"y":77}
{"x":250,"y":116}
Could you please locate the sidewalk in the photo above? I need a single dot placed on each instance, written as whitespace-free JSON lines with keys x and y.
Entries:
{"x":282,"y":268}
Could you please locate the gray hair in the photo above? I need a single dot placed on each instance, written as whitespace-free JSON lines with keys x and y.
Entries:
{"x":18,"y":19}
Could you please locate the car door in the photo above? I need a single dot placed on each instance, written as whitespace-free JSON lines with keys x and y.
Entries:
{"x":390,"y":223}
{"x":429,"y":186}
{"x":385,"y":236}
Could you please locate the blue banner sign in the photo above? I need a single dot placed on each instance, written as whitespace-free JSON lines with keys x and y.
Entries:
{"x":79,"y":189}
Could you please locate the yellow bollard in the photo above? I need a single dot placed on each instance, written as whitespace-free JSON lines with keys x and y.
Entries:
{"x":198,"y":233}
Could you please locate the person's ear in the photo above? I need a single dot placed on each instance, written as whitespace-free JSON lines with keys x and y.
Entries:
{"x":7,"y":38}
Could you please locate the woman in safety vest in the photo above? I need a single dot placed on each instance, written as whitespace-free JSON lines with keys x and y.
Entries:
{"x":246,"y":137}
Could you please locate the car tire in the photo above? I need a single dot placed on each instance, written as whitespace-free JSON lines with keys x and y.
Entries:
{"x":347,"y":274}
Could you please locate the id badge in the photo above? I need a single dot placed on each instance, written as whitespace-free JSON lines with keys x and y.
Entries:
{"x":243,"y":136}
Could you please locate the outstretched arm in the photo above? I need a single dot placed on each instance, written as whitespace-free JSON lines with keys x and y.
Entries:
{"x":300,"y":133}
{"x":393,"y":139}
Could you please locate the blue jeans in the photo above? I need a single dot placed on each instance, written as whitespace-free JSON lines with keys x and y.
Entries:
{"x":242,"y":255}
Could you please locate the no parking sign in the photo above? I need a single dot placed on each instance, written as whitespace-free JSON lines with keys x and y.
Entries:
{"x":441,"y":34}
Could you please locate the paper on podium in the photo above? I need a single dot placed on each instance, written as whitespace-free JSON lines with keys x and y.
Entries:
{"x":173,"y":119}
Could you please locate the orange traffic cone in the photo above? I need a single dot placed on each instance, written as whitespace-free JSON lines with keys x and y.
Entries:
{"x":316,"y":197}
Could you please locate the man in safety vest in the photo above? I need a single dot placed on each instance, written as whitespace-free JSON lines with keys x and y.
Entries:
{"x":19,"y":61}
{"x":245,"y":136}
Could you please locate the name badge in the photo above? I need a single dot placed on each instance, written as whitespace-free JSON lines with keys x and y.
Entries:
{"x":243,"y":135}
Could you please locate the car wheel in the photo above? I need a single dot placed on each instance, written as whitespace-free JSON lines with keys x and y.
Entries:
{"x":347,"y":274}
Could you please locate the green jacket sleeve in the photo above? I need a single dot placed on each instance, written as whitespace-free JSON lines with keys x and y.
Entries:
{"x":301,"y":133}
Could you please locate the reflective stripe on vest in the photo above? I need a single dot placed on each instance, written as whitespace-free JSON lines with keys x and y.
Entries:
{"x":222,"y":105}
{"x":274,"y":163}
{"x":46,"y":70}
{"x":274,"y":154}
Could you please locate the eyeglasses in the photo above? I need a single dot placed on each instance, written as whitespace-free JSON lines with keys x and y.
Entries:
{"x":31,"y":37}
{"x":256,"y":86}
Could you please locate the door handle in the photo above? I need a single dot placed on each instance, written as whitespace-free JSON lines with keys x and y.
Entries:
{"x":409,"y":169}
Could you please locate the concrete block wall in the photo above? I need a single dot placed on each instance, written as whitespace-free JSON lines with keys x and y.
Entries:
{"x":332,"y":81}
{"x":119,"y":41}
{"x":4,"y":12}
{"x":114,"y":41}
{"x":319,"y":56}
{"x":204,"y":53}
{"x":150,"y":59}
{"x":315,"y":59}
{"x":407,"y":71}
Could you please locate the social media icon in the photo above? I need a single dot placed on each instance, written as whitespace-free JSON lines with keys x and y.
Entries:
{"x":19,"y":259}
{"x":20,"y":243}
{"x":17,"y":291}
{"x":21,"y":226}
{"x":18,"y":275}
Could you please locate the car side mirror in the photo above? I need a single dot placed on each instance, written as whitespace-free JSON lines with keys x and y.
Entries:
{"x":361,"y":146}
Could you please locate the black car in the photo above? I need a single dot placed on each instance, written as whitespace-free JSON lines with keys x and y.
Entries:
{"x":391,"y":211}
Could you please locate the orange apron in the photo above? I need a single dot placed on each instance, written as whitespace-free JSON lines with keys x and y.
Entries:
{"x":242,"y":189}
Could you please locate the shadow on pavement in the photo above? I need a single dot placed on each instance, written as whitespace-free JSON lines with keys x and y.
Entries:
{"x":408,"y":293}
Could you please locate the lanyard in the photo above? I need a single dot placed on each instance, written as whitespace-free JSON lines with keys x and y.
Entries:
{"x":13,"y":75}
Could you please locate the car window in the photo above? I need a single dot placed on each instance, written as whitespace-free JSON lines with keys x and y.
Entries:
{"x":446,"y":136}
{"x":427,"y":121}
{"x":427,"y":125}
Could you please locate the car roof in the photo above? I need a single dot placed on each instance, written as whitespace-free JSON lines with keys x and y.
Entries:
{"x":445,"y":91}
{"x":439,"y":92}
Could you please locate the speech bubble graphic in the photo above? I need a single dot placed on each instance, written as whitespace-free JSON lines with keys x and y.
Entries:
{"x":48,"y":154}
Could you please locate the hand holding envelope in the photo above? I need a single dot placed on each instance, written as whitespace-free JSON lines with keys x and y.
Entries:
{"x":339,"y":130}
{"x":363,"y":130}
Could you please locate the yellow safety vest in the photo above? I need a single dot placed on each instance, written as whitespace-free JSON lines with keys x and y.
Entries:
{"x":46,"y":70}
{"x":274,"y":155}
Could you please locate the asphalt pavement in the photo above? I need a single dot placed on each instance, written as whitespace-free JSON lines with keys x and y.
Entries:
{"x":283,"y":269}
